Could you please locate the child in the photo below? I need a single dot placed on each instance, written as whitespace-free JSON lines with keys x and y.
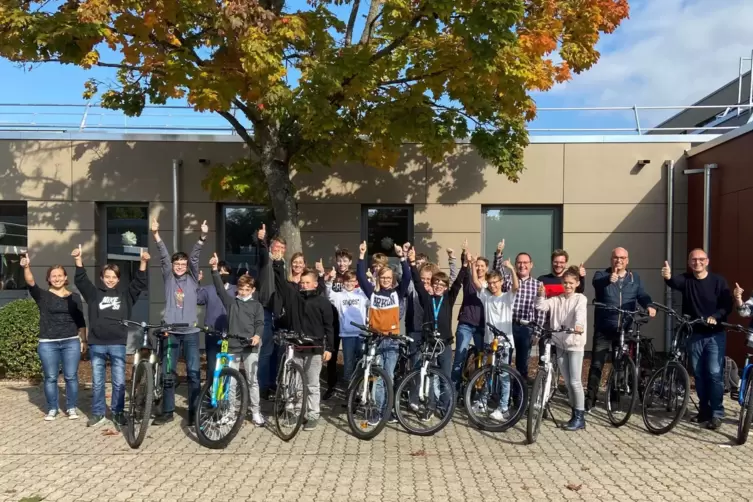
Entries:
{"x":351,"y":304}
{"x":497,"y":312}
{"x":245,"y":318}
{"x":568,"y":311}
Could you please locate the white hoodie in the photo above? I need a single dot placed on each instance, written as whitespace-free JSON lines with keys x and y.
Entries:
{"x":351,"y":306}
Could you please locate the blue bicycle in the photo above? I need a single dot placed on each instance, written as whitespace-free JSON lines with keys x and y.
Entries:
{"x":223,"y":401}
{"x":746,"y":386}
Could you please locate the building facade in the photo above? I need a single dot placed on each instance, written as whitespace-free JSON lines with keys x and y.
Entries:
{"x":584,"y":194}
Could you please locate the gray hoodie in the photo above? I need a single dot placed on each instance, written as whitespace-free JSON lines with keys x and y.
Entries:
{"x":245,"y":317}
{"x":181,"y":293}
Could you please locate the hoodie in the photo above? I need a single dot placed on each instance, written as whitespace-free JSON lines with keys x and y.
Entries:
{"x":181,"y":293}
{"x":349,"y":306}
{"x":245,"y":317}
{"x":107,"y":306}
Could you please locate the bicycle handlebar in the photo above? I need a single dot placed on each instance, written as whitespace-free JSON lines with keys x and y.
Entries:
{"x":683,"y":318}
{"x":144,"y":325}
{"x":639,"y":316}
{"x":498,"y":332}
{"x":222,"y":334}
{"x":737,"y":327}
{"x":368,"y":332}
{"x":546,"y":331}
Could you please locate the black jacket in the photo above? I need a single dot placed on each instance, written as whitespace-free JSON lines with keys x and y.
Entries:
{"x":306,"y":312}
{"x":106,"y":304}
{"x":245,"y":318}
{"x":445,"y":303}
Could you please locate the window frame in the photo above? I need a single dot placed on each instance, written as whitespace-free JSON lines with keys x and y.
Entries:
{"x":365,"y":221}
{"x":221,"y":225}
{"x":557,"y":236}
{"x":7,"y":295}
{"x":102,"y":256}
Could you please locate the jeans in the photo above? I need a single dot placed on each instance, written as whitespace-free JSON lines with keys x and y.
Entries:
{"x":707,"y":358}
{"x":312,"y":368}
{"x":99,"y":355}
{"x":251,"y":365}
{"x":445,"y":366}
{"x":268,"y":359}
{"x":389,"y":350}
{"x":170,"y":353}
{"x":351,"y":355}
{"x":52,"y":354}
{"x":522,"y":336}
{"x":212,"y":347}
{"x":332,"y":363}
{"x":571,"y":366}
{"x":604,"y":344}
{"x":463,"y":336}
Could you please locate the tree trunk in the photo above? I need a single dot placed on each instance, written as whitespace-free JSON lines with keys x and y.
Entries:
{"x":281,"y":191}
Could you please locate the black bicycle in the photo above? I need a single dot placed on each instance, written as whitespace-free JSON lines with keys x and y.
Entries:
{"x":496,"y":395}
{"x":668,"y":389}
{"x":146,"y":379}
{"x":224,"y":399}
{"x":425,"y":397}
{"x":623,"y":382}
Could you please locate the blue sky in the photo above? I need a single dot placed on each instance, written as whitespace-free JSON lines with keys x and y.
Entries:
{"x":670,"y":52}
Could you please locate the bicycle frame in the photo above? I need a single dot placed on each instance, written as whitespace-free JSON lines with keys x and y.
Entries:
{"x":429,"y":358}
{"x":369,"y":358}
{"x":219,"y":385}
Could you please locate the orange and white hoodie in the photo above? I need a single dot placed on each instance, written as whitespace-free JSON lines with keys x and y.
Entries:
{"x":384,"y":304}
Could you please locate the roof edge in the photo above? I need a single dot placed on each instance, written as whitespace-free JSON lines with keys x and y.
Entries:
{"x":721,"y":139}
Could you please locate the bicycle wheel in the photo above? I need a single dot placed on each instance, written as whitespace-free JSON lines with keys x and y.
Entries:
{"x":536,"y":407}
{"x":666,"y":398}
{"x":622,"y":391}
{"x":368,"y":413}
{"x":493,"y":407}
{"x":140,"y":403}
{"x":426,"y":411}
{"x":290,"y":401}
{"x":746,"y":412}
{"x":219,"y":416}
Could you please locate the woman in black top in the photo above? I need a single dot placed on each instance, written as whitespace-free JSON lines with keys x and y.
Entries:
{"x":62,"y":336}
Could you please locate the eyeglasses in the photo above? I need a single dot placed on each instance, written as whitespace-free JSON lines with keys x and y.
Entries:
{"x":620,"y":258}
{"x":494,"y":282}
{"x":698,"y":260}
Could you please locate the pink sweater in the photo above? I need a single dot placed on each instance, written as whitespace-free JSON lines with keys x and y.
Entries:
{"x":566,"y":313}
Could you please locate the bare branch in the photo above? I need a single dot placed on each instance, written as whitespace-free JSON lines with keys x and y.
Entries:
{"x":242,"y":132}
{"x":387,"y":50}
{"x":120,"y":66}
{"x":408,"y":80}
{"x":352,"y":21}
{"x":456,"y":110}
{"x":248,"y":112}
{"x":371,"y":18}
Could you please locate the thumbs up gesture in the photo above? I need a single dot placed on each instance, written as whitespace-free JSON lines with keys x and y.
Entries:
{"x":213,"y":261}
{"x":582,"y":270}
{"x":613,"y":276}
{"x":737,"y":292}
{"x":261,"y":234}
{"x":542,"y":290}
{"x":666,"y":271}
{"x":76,"y":253}
{"x":319,"y":267}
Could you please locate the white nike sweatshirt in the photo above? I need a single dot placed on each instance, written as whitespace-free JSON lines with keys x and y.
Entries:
{"x":351,"y":306}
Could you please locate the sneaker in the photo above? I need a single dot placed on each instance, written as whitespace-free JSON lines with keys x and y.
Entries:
{"x":329,"y":393}
{"x":51,"y":415}
{"x":392,"y":420}
{"x":163,"y":419}
{"x":191,"y":420}
{"x":72,"y":415}
{"x":311,"y":424}
{"x":699,"y":419}
{"x":498,"y":415}
{"x":589,"y":405}
{"x":374,"y":420}
{"x":714,"y":423}
{"x":257,"y":420}
{"x":95,"y":421}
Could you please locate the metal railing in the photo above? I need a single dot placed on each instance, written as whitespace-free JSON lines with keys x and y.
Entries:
{"x":30,"y":117}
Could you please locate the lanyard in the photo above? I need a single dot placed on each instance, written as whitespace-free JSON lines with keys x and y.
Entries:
{"x":437,"y":307}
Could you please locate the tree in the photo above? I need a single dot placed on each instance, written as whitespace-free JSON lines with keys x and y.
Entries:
{"x":421,"y":71}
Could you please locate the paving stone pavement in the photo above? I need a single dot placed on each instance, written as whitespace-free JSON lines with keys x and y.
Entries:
{"x":65,"y":461}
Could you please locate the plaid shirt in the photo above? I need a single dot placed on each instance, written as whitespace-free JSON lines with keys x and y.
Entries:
{"x":524,"y":307}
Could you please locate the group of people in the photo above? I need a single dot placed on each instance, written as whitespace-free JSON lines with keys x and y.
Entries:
{"x":323,"y":305}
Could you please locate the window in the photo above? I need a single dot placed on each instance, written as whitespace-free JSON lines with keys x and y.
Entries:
{"x":384,"y":226}
{"x":238,"y":225}
{"x":534,"y":230}
{"x":13,"y":242}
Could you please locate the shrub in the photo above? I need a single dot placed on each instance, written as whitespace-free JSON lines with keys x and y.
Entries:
{"x":19,"y":337}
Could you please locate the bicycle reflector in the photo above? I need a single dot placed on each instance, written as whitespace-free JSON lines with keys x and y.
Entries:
{"x":495,"y":345}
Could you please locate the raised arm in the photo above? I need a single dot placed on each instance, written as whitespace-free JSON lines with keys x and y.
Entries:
{"x":542,"y":304}
{"x":673,"y":281}
{"x":476,"y":280}
{"x":288,"y":293}
{"x":164,"y":254}
{"x":195,"y":256}
{"x":81,"y":278}
{"x":515,"y":285}
{"x":453,"y":261}
{"x":363,"y":281}
{"x":139,"y":282}
{"x":499,"y":257}
{"x":225,"y":298}
{"x":423,"y":295}
{"x":28,"y":276}
{"x":405,"y":279}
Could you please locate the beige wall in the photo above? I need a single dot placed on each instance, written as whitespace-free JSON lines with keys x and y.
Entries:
{"x":607,"y":200}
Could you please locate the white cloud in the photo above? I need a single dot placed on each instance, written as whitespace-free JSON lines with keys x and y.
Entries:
{"x":670,"y":52}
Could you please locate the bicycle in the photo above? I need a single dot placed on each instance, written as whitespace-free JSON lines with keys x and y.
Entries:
{"x":146,"y":379}
{"x":669,"y":387}
{"x":218,"y":401}
{"x":421,"y":391}
{"x":544,"y":385}
{"x":745,"y":398}
{"x":623,"y":385}
{"x":292,"y":390}
{"x":492,"y":387}
{"x":370,"y":387}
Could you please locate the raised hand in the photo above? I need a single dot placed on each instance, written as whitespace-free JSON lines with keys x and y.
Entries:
{"x":319,"y":267}
{"x":261,"y":234}
{"x":450,"y":253}
{"x":542,"y":290}
{"x":25,"y":261}
{"x":155,"y":225}
{"x":737,"y":292}
{"x":145,"y":256}
{"x":76,"y":253}
{"x":204,"y":228}
{"x":412,"y":255}
{"x":666,"y":272}
{"x":501,"y":246}
{"x":581,"y":270}
{"x":213,"y":261}
{"x":464,"y":246}
{"x":362,"y":248}
{"x":507,"y":265}
{"x":331,"y":275}
{"x":613,"y":277}
{"x":406,"y":247}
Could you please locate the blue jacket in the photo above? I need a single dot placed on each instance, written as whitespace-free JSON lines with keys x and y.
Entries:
{"x":624,"y":295}
{"x":215,"y":315}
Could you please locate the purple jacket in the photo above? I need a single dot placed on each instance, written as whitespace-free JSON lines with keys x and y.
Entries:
{"x":215,"y":314}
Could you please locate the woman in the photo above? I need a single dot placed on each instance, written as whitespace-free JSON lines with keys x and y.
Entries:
{"x":297,"y":266}
{"x":62,"y":335}
{"x":568,"y":312}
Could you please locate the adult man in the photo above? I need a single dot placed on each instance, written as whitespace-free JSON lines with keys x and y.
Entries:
{"x":618,"y":287}
{"x":214,"y":314}
{"x":553,"y":280}
{"x":524,"y":309}
{"x":704,"y":296}
{"x":180,"y":274}
{"x":267,"y":372}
